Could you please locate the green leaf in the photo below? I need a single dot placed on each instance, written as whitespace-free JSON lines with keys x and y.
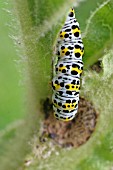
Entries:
{"x":98,"y":33}
{"x":38,"y":29}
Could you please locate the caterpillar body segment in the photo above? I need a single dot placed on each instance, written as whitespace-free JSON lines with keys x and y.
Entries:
{"x":68,"y":68}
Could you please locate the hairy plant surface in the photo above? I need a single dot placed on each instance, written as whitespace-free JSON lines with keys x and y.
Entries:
{"x":36,"y":26}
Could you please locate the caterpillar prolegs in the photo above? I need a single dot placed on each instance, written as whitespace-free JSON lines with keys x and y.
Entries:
{"x":69,"y":50}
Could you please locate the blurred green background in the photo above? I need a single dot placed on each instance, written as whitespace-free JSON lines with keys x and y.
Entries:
{"x":19,"y":146}
{"x":11,"y":92}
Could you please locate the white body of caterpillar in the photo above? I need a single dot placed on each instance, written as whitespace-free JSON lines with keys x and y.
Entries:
{"x":68,"y":69}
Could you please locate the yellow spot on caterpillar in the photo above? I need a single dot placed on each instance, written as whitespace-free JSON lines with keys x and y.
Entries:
{"x":63,"y":52}
{"x":62,"y":34}
{"x":63,"y":119}
{"x":73,"y":87}
{"x":76,"y":30}
{"x":56,"y":105}
{"x":61,"y":68}
{"x":69,"y":106}
{"x":71,"y":10}
{"x":77,"y":70}
{"x":67,"y":119}
{"x":78,"y":51}
{"x":57,"y":86}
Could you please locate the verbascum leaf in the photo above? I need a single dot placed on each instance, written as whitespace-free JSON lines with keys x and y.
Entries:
{"x":39,"y":24}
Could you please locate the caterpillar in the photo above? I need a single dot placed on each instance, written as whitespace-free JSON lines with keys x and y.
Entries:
{"x":67,"y":69}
